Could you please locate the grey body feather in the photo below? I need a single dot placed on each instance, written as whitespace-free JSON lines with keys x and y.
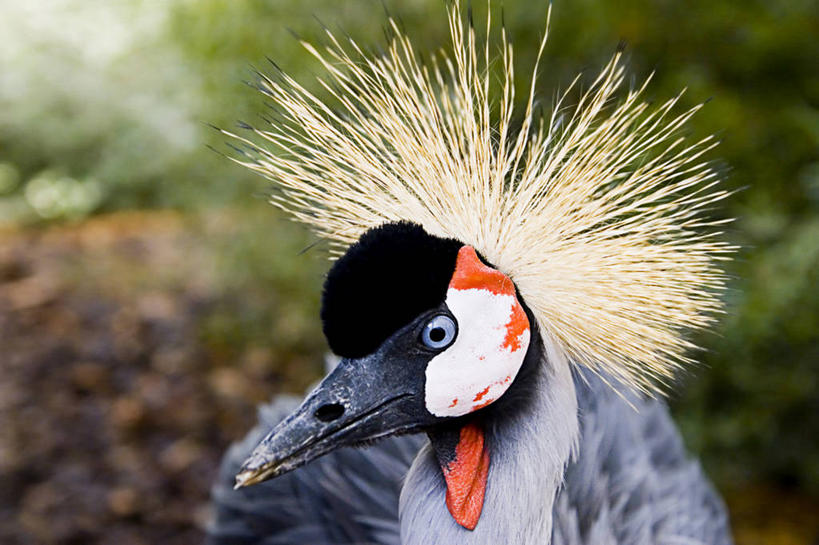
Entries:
{"x":630,"y":483}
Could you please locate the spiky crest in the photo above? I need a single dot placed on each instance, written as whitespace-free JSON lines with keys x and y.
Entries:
{"x":596,"y":215}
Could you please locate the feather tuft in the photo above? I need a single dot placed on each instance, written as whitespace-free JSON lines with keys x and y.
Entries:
{"x":597,"y":211}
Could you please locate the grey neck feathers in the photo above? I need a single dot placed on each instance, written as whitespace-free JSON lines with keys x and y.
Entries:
{"x":528,"y":456}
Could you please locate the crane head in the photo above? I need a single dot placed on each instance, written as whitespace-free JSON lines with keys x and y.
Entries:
{"x":597,"y":212}
{"x":428,"y":334}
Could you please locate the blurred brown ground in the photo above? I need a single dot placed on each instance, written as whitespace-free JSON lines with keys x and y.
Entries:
{"x":114,"y":411}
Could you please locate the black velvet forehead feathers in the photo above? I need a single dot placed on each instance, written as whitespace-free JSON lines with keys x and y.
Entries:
{"x":392,"y":274}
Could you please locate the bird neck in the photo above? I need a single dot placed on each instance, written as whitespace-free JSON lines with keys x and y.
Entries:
{"x":529,"y":446}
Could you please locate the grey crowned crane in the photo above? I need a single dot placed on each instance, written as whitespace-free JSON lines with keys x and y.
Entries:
{"x":507,"y":307}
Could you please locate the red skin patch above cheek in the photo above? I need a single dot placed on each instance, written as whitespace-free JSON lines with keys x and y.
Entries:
{"x":471,"y":274}
{"x":466,"y":477}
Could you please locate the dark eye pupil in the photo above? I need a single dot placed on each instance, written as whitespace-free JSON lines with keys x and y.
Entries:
{"x":439,"y":332}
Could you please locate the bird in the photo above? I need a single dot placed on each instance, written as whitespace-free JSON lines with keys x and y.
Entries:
{"x":510,"y":297}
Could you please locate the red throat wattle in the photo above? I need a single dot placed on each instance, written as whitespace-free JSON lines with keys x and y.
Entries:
{"x":466,"y":477}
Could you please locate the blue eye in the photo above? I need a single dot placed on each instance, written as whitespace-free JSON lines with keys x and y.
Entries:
{"x":439,"y":332}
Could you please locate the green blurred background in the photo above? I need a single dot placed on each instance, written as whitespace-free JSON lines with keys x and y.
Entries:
{"x":149,"y":297}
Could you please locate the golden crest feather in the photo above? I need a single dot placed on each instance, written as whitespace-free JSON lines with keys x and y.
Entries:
{"x":597,"y":215}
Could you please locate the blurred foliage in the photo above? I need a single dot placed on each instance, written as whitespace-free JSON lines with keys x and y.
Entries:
{"x":103,"y":106}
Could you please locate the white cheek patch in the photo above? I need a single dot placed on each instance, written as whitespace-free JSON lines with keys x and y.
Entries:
{"x":493,"y":336}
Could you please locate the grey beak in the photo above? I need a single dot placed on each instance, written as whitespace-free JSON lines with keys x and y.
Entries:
{"x":360,"y":400}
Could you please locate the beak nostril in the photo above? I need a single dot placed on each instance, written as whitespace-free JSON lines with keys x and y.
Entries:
{"x":329,"y":412}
